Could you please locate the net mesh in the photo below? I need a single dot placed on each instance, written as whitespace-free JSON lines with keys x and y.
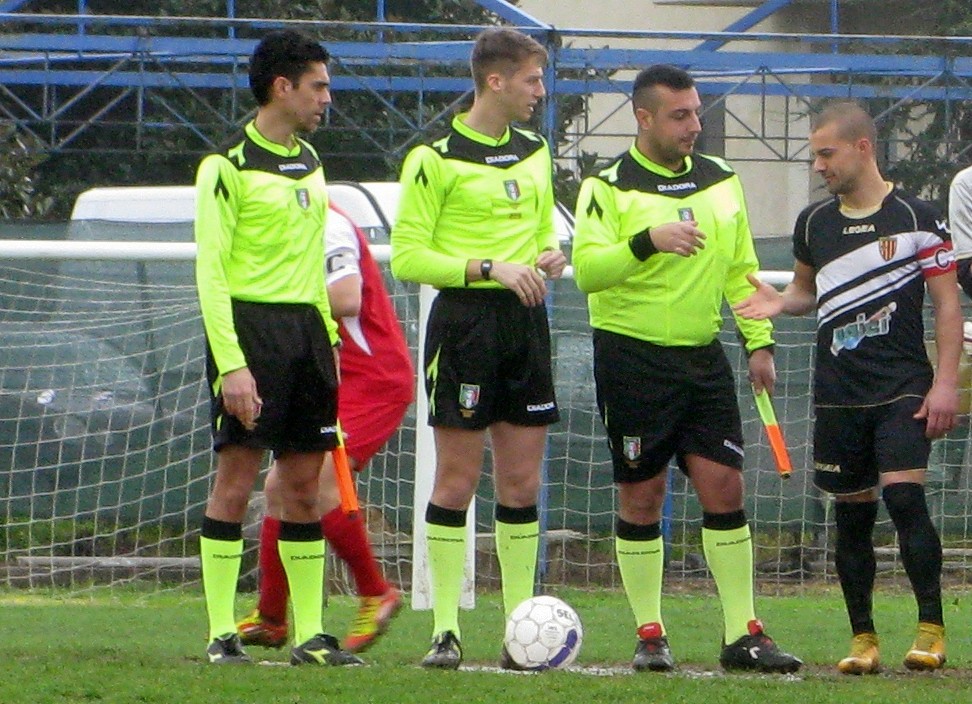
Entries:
{"x":105,"y":455}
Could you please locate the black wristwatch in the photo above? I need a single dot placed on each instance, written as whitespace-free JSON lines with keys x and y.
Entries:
{"x":485,"y":268}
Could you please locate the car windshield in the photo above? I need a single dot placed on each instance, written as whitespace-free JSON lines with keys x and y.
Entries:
{"x":51,"y":358}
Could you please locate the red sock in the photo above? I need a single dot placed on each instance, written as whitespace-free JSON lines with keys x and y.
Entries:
{"x":273,"y":579}
{"x":349,"y":539}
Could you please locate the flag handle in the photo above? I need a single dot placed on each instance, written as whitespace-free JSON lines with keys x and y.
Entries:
{"x":345,"y":482}
{"x":777,"y":444}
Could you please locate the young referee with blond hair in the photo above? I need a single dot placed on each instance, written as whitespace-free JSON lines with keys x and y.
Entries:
{"x":476,"y":221}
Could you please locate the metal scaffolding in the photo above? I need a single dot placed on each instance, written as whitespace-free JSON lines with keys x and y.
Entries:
{"x":62,"y":77}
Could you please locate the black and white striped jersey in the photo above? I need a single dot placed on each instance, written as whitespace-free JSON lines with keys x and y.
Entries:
{"x":960,"y":223}
{"x":870,"y":277}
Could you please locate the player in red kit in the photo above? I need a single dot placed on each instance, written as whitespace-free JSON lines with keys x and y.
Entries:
{"x":377,"y":385}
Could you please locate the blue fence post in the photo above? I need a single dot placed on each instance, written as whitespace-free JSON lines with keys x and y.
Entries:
{"x":543,"y":496}
{"x":667,"y":510}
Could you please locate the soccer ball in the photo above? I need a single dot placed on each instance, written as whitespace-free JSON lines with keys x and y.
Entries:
{"x":543,"y":633}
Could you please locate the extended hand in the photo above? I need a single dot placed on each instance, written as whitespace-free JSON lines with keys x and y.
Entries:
{"x":764,"y":302}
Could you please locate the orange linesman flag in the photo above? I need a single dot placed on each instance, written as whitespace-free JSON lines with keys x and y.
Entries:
{"x":766,"y":413}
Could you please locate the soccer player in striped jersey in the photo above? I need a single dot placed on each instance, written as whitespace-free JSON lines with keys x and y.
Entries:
{"x":476,"y":221}
{"x":377,"y":386}
{"x":864,"y":259}
{"x":960,"y":223}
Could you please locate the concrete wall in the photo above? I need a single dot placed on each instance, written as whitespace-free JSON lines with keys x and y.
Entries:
{"x":773,"y":162}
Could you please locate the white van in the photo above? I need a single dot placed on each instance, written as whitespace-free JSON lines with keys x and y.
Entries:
{"x":372,"y":205}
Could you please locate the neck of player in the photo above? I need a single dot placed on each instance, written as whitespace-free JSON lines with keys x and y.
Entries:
{"x":487,"y":119}
{"x":674,"y":161}
{"x":274,"y":128}
{"x":869,"y":192}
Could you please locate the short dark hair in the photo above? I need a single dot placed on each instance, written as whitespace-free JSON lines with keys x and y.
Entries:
{"x":284,"y":52}
{"x":503,"y":49}
{"x":852,"y":119}
{"x":673,"y":77}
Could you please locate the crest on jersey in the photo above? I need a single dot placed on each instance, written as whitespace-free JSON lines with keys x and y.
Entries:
{"x":887,"y":246}
{"x":303,"y":198}
{"x":631,"y":447}
{"x":512,"y":189}
{"x":469,"y":396}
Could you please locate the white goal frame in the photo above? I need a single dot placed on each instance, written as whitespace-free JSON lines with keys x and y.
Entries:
{"x":425,"y":446}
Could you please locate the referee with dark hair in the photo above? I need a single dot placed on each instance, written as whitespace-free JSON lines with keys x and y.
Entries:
{"x":260,"y":211}
{"x":662,"y":237}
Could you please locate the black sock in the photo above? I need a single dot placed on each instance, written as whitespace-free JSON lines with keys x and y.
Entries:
{"x":921,"y":548}
{"x":856,"y":565}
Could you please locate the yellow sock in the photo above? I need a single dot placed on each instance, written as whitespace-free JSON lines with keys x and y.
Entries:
{"x":303,"y":562}
{"x":220,"y":561}
{"x":447,"y":563}
{"x":642,"y":563}
{"x":729,"y":554}
{"x":516,"y":550}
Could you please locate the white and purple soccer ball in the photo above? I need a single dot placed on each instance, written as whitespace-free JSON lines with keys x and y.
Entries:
{"x":543,"y":633}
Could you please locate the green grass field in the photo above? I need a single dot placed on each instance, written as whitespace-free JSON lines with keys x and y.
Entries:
{"x":149,"y":649}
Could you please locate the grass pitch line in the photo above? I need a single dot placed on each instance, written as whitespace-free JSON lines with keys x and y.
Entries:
{"x":625,"y":671}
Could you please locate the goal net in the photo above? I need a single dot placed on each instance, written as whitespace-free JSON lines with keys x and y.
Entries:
{"x":105,"y":455}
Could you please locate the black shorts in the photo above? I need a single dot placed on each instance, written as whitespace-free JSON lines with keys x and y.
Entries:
{"x":487,"y":359}
{"x":658,"y":402}
{"x":853,"y":445}
{"x":289,"y":354}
